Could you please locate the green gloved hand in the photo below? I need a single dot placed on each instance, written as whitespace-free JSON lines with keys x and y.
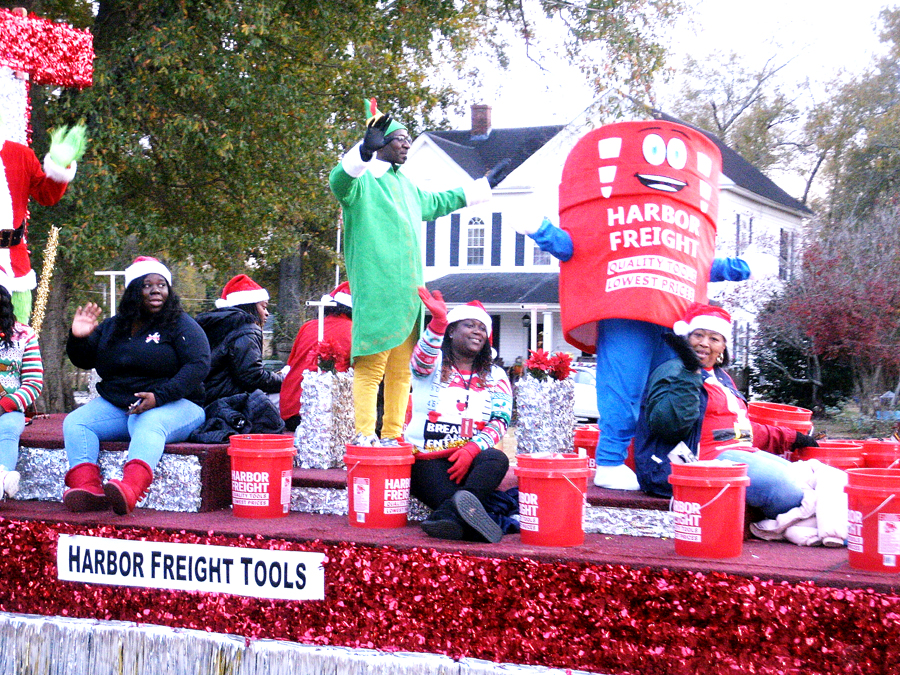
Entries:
{"x":67,"y":144}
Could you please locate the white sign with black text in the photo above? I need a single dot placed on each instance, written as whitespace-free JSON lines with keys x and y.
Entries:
{"x":253,"y":572}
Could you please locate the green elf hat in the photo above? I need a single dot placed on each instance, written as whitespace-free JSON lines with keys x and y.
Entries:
{"x":373,"y":114}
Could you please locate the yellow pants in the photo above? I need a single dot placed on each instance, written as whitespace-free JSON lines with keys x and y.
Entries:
{"x":393,"y":367}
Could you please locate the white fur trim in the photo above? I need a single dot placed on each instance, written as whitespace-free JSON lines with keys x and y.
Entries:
{"x":343,"y":298}
{"x":243,"y":298}
{"x":461,"y":312}
{"x":24,"y":283}
{"x":477,"y":192}
{"x":58,"y":173}
{"x":143,"y":267}
{"x":705,"y":322}
{"x":6,"y":207}
{"x":353,"y":163}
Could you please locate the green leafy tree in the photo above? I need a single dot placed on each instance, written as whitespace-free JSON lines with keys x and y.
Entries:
{"x":213,"y":125}
{"x":853,"y":137}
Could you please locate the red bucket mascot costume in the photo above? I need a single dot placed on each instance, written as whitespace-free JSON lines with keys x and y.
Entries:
{"x":638,"y":204}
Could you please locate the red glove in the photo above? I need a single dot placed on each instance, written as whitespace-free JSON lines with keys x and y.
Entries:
{"x":434,"y":302}
{"x":461,"y":461}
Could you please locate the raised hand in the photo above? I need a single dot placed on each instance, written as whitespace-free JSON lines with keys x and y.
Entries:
{"x":85,"y":320}
{"x":435,"y":304}
{"x":67,"y":145}
{"x":375,"y":132}
{"x":497,"y":173}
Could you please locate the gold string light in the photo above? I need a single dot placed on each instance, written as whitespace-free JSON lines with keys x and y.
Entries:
{"x":43,"y":289}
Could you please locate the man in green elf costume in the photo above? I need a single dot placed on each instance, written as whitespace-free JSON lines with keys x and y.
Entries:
{"x":383,"y":212}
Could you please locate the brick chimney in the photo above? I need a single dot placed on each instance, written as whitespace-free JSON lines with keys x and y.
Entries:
{"x":481,"y":121}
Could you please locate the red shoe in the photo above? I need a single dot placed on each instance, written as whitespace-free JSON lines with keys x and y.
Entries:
{"x":124,"y":494}
{"x":85,"y":491}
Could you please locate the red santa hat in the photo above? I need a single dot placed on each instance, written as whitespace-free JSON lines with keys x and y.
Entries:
{"x":340,"y":295}
{"x":241,"y":290}
{"x":705,"y":317}
{"x":144,"y":265}
{"x":471,"y":310}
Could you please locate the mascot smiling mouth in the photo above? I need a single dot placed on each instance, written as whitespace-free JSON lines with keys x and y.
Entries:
{"x":663,"y":183}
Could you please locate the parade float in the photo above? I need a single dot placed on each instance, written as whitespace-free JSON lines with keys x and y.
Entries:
{"x":183,"y":585}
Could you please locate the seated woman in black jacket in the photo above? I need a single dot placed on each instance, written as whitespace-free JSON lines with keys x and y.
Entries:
{"x":235,"y":338}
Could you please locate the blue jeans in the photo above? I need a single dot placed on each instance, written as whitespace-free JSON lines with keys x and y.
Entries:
{"x":11,"y":426}
{"x":99,"y":420}
{"x":771,"y":488}
{"x":627,"y":352}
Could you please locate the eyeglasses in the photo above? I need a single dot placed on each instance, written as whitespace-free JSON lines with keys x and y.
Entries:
{"x":401,"y":140}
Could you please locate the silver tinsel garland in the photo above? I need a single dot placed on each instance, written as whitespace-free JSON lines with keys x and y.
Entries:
{"x":546,"y":415}
{"x":176,"y":479}
{"x":44,"y":645}
{"x":327,"y":423}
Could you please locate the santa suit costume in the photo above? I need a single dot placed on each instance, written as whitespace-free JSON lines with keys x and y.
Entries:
{"x":336,"y":330}
{"x":24,"y":178}
{"x":638,"y":208}
{"x":383,"y":211}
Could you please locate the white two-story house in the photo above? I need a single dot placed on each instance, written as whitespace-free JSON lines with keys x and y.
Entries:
{"x":476,"y":252}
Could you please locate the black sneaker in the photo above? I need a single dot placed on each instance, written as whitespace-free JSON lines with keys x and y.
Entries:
{"x":473,"y":514}
{"x":443,"y":528}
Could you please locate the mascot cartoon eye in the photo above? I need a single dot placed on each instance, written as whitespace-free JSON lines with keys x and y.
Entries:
{"x":676,"y":153}
{"x":654,"y":149}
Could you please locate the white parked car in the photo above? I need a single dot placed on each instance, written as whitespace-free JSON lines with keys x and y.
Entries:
{"x":585,"y":392}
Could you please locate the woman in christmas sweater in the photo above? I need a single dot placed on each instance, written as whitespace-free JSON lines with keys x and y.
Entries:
{"x":152,"y":358}
{"x":21,"y":379}
{"x":691,"y":400}
{"x":461,"y":408}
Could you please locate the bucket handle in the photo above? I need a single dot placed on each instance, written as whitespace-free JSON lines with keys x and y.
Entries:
{"x":879,"y":507}
{"x":583,"y":494}
{"x":893,"y":464}
{"x":349,"y":471}
{"x":721,"y":492}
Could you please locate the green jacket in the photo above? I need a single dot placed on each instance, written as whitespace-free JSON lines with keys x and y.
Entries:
{"x":383,"y":213}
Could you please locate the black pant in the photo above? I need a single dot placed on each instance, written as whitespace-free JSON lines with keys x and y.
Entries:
{"x":431,"y":484}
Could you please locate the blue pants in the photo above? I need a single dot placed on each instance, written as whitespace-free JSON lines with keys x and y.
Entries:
{"x":99,"y":420}
{"x":771,"y":488}
{"x":627,"y":352}
{"x":11,"y":426}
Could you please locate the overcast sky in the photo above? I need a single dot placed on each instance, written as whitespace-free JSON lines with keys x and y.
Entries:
{"x":822,"y":36}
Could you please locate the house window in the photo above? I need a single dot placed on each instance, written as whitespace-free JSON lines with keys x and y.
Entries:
{"x":786,"y":255}
{"x":475,"y":242}
{"x":743,"y":233}
{"x":542,"y":257}
{"x":739,"y":350}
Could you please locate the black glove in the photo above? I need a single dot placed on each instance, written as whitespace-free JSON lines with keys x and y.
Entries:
{"x":804,"y":441}
{"x":683,"y":350}
{"x":374,"y":140}
{"x":497,"y":173}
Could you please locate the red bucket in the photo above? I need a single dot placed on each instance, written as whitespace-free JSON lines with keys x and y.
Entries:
{"x":879,"y":454}
{"x":552,"y":491}
{"x":378,"y":485}
{"x":261,"y":469}
{"x":873,"y":498}
{"x":708,"y":501}
{"x":780,"y":415}
{"x":586,"y":438}
{"x":841,"y":454}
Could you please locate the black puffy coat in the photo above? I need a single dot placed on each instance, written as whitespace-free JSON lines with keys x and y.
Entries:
{"x":235,"y":342}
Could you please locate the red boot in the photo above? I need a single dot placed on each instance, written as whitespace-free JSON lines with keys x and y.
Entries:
{"x":124,"y":494}
{"x":85,"y":491}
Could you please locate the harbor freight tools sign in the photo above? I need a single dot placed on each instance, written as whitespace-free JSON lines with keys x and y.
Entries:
{"x":253,"y":572}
